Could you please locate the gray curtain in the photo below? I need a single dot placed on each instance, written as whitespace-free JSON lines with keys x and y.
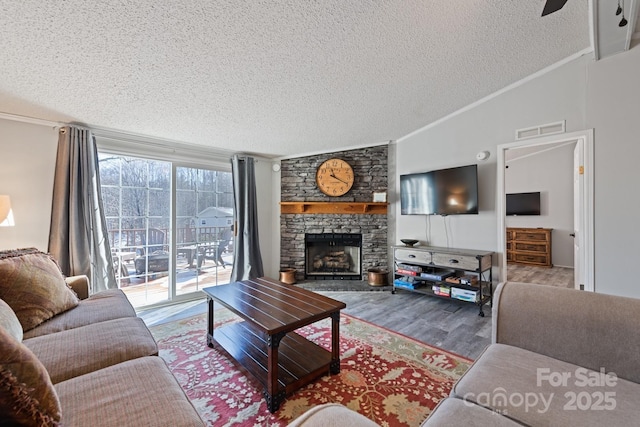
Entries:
{"x":78,"y":237}
{"x":247,"y":262}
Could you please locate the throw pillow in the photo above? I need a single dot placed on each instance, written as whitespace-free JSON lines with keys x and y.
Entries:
{"x":10,"y":322}
{"x":27,"y":397}
{"x":32,"y":284}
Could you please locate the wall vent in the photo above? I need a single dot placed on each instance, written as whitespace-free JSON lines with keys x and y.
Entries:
{"x":548,"y":129}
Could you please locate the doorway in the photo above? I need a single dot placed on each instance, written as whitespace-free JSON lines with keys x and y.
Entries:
{"x":582,"y":200}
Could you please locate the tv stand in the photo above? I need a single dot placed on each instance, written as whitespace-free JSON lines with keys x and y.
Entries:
{"x":456,"y":274}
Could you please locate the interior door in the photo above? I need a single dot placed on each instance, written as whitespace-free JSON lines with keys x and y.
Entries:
{"x":578,"y":207}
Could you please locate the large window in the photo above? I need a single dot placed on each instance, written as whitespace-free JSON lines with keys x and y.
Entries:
{"x":161,"y":253}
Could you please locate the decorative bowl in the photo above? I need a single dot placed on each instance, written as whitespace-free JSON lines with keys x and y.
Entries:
{"x":409,"y":242}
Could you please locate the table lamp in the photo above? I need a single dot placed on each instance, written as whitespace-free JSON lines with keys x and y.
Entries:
{"x":6,"y":214}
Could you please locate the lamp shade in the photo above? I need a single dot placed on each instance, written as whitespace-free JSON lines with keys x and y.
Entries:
{"x":6,"y":214}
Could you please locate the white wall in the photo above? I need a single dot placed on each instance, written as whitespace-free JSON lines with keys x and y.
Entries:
{"x":27,"y":166}
{"x":275,"y":223}
{"x":456,"y":141}
{"x":264,"y":185}
{"x":602,"y":95}
{"x":613,"y":110}
{"x":551,"y":172}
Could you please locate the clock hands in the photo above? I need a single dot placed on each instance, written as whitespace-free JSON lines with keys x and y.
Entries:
{"x":333,"y":175}
{"x":341,"y":180}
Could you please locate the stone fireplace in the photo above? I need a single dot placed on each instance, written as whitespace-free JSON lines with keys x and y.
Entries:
{"x":298,"y":185}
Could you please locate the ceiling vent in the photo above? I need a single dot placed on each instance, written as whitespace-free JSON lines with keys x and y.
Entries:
{"x":548,"y":129}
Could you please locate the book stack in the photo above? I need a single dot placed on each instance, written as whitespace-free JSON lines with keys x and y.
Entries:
{"x":404,"y":282}
{"x":437,"y":274}
{"x":443,"y":291}
{"x":408,"y":269}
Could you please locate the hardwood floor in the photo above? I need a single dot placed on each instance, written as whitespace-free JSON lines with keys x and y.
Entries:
{"x":450,"y":325}
{"x":554,"y":276}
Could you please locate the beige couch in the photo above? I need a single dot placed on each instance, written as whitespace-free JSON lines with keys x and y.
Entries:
{"x":558,"y":357}
{"x":101,"y":362}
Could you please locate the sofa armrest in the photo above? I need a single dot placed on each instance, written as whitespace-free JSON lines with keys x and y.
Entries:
{"x":80,"y":285}
{"x":587,"y":329}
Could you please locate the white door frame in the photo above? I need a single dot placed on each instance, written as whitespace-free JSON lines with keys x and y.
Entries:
{"x":581,"y":137}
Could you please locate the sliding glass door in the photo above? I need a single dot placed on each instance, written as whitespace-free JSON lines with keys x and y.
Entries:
{"x":204,"y":219}
{"x":164,"y":251}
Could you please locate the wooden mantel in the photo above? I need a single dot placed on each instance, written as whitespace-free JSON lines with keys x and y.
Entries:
{"x":333,"y":208}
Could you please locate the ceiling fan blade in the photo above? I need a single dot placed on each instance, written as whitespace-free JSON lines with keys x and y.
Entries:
{"x":553,"y":6}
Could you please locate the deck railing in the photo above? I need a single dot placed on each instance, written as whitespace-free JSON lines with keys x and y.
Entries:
{"x":133,"y":238}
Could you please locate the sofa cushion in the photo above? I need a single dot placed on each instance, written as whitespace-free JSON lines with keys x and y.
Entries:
{"x":139,"y":392}
{"x":33,"y":285}
{"x":332,"y":415}
{"x":78,"y":351}
{"x":27,"y":396}
{"x":465,"y":413}
{"x":10,"y":322}
{"x":106,"y":305}
{"x":539,"y":390}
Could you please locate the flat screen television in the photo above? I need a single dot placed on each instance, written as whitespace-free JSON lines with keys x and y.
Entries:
{"x":452,"y":191}
{"x":523,"y":203}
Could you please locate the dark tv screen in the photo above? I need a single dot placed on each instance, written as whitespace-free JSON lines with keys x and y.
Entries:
{"x":523,"y":203}
{"x":452,"y":191}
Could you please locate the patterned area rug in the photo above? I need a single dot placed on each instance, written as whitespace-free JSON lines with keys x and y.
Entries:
{"x":392,"y":379}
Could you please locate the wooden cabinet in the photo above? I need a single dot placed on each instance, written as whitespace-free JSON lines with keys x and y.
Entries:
{"x":461,"y":275}
{"x":531,"y":246}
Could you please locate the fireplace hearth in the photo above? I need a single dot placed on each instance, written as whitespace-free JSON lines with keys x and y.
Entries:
{"x":333,"y":256}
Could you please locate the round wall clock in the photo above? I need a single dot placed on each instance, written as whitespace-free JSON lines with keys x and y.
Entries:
{"x":334,"y":177}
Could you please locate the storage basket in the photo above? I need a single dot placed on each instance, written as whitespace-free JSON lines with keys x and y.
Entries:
{"x":377,"y":276}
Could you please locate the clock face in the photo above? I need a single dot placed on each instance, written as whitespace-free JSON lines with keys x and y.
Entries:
{"x":334,"y":177}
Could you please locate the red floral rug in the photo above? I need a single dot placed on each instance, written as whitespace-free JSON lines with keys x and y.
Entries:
{"x":392,"y":379}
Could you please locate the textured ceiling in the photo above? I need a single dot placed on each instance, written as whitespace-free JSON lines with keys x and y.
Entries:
{"x":272,"y":77}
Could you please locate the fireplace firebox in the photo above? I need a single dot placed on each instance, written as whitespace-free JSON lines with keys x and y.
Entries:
{"x":333,"y":256}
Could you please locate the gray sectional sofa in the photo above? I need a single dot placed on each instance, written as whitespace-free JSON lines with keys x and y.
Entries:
{"x":558,"y":357}
{"x":95,"y":364}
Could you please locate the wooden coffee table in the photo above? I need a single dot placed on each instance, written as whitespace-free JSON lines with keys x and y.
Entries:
{"x":264,"y":342}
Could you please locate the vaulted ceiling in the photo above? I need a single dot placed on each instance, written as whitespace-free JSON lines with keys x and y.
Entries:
{"x":275,"y":78}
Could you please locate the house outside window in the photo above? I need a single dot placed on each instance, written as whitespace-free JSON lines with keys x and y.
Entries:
{"x":170,"y":227}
